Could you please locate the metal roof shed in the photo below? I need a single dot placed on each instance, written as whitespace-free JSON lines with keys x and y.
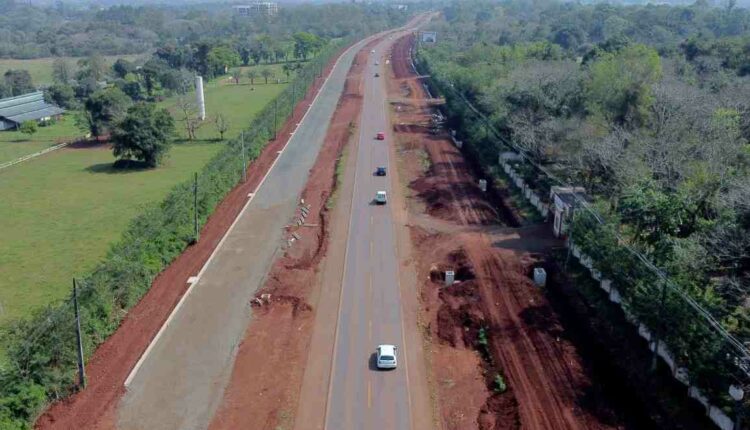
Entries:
{"x":26,"y":107}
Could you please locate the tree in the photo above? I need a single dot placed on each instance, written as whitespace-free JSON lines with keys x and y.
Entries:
{"x":306,"y":44}
{"x":61,"y":95}
{"x":103,"y":110}
{"x":189,"y":116}
{"x":222,"y":126}
{"x":266,"y":73}
{"x":287,"y":68}
{"x":178,"y":81}
{"x":28,"y":127}
{"x":18,"y":82}
{"x":62,"y":71}
{"x":122,"y":67}
{"x":131,"y":88}
{"x":144,"y":134}
{"x":94,"y":67}
{"x":252,"y":74}
{"x":620,"y":84}
{"x":220,"y":58}
{"x":151,"y":71}
{"x":236,"y":75}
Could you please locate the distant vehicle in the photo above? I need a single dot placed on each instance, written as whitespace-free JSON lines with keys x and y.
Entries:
{"x":377,"y":75}
{"x":372,"y":52}
{"x":386,"y":356}
{"x":380,"y":198}
{"x":377,"y":63}
{"x":380,"y":136}
{"x":380,"y":171}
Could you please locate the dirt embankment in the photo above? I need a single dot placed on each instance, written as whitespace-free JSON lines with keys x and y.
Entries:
{"x":265,"y":385}
{"x":500,"y":358}
{"x":95,"y":407}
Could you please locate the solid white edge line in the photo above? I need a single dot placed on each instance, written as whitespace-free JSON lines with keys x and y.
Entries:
{"x":156,"y":338}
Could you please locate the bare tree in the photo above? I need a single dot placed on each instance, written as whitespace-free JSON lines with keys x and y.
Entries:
{"x":252,"y":74}
{"x":189,"y":116}
{"x":236,"y":75}
{"x":222,"y":125}
{"x":266,"y":73}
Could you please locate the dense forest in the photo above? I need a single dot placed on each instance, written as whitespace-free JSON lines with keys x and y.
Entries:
{"x":28,"y":31}
{"x":648,"y":108}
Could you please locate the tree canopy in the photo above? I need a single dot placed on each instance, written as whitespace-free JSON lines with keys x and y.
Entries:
{"x":144,"y":134}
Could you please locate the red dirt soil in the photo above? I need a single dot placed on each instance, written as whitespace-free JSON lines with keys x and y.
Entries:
{"x":264,"y":389}
{"x":110,"y":365}
{"x":492,"y":298}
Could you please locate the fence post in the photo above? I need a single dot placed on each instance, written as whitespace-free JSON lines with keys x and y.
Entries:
{"x":79,"y":339}
{"x":275,"y":102}
{"x":195,"y":205}
{"x":244,"y":161}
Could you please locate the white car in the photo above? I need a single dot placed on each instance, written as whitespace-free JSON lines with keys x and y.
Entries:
{"x":386,"y":357}
{"x":377,"y":63}
{"x":380,"y":198}
{"x":372,"y":52}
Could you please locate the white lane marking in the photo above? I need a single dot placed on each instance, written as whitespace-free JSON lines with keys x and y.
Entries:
{"x":156,"y":338}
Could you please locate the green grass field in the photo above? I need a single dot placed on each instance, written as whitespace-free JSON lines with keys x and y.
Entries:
{"x":14,"y":144}
{"x":40,"y":69}
{"x":61,"y":211}
{"x":237,"y":102}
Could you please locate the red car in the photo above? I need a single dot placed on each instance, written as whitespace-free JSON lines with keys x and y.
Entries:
{"x":380,"y":136}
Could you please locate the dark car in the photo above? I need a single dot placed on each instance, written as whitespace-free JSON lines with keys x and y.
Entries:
{"x":380,"y":171}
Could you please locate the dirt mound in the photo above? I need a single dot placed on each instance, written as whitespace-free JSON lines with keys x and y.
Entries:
{"x":499,"y":413}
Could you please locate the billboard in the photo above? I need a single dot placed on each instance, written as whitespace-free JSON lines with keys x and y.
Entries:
{"x":429,"y":37}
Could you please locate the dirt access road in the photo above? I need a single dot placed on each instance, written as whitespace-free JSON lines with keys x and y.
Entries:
{"x":493,"y":324}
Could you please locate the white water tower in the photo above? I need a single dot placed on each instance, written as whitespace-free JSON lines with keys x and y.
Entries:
{"x":200,"y":101}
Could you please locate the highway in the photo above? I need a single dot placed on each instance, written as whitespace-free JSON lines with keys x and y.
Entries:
{"x":360,"y":396}
{"x":181,"y":378}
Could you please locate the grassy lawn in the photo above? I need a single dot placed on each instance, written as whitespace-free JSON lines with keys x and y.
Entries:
{"x":14,"y":144}
{"x":41,"y":68}
{"x":62,"y":211}
{"x":237,"y":102}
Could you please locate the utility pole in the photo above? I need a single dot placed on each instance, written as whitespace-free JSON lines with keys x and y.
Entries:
{"x":81,"y":369}
{"x":195,"y":205}
{"x":244,"y":162}
{"x":275,"y":108}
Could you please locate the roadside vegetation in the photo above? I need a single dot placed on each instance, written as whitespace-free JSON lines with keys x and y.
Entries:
{"x":647,"y":107}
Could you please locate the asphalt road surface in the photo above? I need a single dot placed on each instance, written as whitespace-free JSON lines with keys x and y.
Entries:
{"x":181,"y":381}
{"x":360,"y":396}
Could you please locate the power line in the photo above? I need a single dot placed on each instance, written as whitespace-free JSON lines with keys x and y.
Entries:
{"x":738,"y":345}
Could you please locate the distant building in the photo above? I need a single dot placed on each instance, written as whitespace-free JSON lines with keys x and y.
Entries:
{"x":28,"y":107}
{"x":262,"y":8}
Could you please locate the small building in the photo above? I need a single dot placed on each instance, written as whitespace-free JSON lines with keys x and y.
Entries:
{"x":564,"y":200}
{"x":258,"y":8}
{"x":28,"y":107}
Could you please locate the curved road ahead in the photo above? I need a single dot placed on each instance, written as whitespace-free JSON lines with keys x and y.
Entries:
{"x":360,"y":396}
